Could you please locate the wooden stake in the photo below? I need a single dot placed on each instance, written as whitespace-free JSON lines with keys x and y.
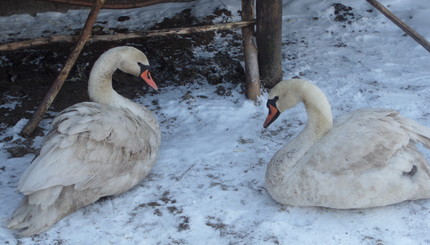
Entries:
{"x":269,"y":41}
{"x":411,"y":32}
{"x":122,"y":36}
{"x":142,"y":3}
{"x":59,"y":81}
{"x":251,"y":54}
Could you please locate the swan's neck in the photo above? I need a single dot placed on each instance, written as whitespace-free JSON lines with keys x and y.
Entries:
{"x":320,"y":121}
{"x":100,"y":82}
{"x":100,"y":89}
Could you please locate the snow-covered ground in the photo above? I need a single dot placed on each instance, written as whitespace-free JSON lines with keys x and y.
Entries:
{"x":208,"y":184}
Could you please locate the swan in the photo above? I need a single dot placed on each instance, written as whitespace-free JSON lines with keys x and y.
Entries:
{"x":95,"y":149}
{"x":368,"y":158}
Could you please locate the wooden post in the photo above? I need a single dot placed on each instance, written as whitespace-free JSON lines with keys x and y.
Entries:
{"x":250,"y":51}
{"x":269,"y":41}
{"x":411,"y":32}
{"x":59,"y":81}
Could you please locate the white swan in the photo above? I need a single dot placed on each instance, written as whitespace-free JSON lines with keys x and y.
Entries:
{"x":95,"y":149}
{"x":368,"y":158}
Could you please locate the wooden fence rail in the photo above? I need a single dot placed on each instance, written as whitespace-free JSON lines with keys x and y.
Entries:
{"x":123,"y":36}
{"x":134,"y":4}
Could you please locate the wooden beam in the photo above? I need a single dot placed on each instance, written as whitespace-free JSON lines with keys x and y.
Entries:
{"x":269,"y":41}
{"x":411,"y":32}
{"x":138,"y":4}
{"x":122,"y":36}
{"x":252,"y":74}
{"x":59,"y":81}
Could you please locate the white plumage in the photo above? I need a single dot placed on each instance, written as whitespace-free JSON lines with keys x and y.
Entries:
{"x":368,"y":158}
{"x":95,"y":149}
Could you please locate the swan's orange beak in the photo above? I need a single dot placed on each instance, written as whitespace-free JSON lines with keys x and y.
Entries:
{"x":146,"y":76}
{"x":273,"y":112}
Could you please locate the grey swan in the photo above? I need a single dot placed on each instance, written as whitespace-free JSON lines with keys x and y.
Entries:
{"x":95,"y":149}
{"x":367,"y":158}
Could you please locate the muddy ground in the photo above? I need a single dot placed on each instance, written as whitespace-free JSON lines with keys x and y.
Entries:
{"x":26,"y":75}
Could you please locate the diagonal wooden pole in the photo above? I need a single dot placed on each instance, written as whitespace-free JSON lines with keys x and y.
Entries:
{"x":59,"y":81}
{"x":411,"y":32}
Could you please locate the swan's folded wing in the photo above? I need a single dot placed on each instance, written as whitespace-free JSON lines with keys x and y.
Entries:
{"x":359,"y":141}
{"x":89,"y":144}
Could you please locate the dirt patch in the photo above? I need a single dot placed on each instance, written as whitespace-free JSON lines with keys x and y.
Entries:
{"x":343,"y":13}
{"x":26,"y":75}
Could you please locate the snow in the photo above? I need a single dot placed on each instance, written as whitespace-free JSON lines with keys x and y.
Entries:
{"x":208,"y":183}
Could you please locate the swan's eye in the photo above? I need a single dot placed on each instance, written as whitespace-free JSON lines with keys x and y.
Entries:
{"x":272,"y":102}
{"x":143,"y":67}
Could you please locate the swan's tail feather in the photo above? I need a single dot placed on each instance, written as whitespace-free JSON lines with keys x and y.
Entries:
{"x":31,"y":219}
{"x":423,"y":135}
{"x":35,"y":215}
{"x":418,"y":132}
{"x":19,"y":217}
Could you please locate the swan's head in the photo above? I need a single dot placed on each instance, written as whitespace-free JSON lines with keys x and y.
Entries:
{"x":133,"y":61}
{"x":282,"y":97}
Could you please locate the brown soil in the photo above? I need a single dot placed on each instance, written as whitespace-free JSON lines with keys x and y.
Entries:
{"x":26,"y":75}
